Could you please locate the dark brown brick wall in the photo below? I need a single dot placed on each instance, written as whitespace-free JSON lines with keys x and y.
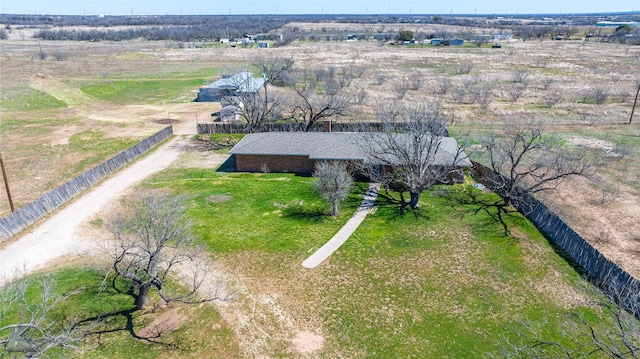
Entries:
{"x":258,"y":163}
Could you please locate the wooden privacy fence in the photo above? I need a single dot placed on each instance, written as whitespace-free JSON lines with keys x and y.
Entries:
{"x":235,"y":127}
{"x":29,"y":214}
{"x":606,"y":274}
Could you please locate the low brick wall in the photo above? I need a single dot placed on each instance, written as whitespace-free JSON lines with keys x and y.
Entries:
{"x":32,"y":212}
{"x":603,"y":272}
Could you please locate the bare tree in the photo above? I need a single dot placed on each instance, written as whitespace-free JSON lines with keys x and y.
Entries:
{"x":311,"y":107}
{"x":529,"y":161}
{"x":152,"y":241}
{"x":334,"y":183}
{"x":380,"y":78}
{"x":463,"y":68}
{"x":412,"y":152}
{"x":547,"y":82}
{"x":415,"y":80}
{"x":520,"y":76}
{"x":250,"y":100}
{"x":552,"y":99}
{"x":276,"y":70}
{"x":443,"y":86}
{"x":361,"y":95}
{"x":28,"y":303}
{"x":515,"y":91}
{"x":616,"y":334}
{"x":400,"y":88}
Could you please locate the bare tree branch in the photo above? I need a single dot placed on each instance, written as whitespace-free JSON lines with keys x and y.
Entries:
{"x":334,"y":182}
{"x":153,"y":241}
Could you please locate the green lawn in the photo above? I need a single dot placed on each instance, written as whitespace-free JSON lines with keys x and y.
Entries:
{"x":110,"y":336}
{"x":27,"y":99}
{"x":441,"y":282}
{"x":137,"y":91}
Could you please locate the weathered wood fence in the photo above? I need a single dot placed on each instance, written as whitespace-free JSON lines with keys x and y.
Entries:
{"x":235,"y":127}
{"x":29,"y":214}
{"x":603,"y":272}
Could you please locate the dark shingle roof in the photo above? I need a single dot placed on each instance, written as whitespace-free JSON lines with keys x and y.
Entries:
{"x":329,"y":146}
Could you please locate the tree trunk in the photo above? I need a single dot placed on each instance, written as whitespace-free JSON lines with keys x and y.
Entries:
{"x":141,"y":299}
{"x":335,"y":208}
{"x":415,"y":196}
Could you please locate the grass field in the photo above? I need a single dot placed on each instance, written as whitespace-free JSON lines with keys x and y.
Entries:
{"x":28,"y":99}
{"x":443,"y":283}
{"x":137,"y":91}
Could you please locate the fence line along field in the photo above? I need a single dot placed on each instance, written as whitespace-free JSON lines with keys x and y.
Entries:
{"x":69,"y":105}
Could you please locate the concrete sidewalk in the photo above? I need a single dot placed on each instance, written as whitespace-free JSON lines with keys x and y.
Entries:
{"x":346,"y":231}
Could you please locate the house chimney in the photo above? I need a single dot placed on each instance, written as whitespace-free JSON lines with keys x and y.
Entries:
{"x":326,"y":125}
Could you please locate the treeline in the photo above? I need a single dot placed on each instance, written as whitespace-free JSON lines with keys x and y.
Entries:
{"x":189,"y":33}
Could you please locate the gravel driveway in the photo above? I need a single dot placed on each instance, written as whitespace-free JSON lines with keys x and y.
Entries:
{"x":59,"y":235}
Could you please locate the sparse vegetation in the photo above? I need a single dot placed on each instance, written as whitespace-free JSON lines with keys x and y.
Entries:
{"x":444,"y":272}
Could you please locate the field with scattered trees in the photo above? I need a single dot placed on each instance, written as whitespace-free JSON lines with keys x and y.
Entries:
{"x":434,"y":271}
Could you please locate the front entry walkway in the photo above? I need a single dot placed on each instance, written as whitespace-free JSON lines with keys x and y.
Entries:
{"x":346,"y":231}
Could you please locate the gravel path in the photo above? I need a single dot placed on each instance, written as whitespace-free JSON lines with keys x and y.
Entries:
{"x":346,"y":231}
{"x":59,"y":235}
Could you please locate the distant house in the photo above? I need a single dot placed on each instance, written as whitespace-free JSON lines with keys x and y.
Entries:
{"x":382,"y":37}
{"x":436,"y":41}
{"x":263,"y":44}
{"x":298,"y":152}
{"x":453,"y":42}
{"x":617,"y":23}
{"x":356,"y":37}
{"x":242,"y":82}
{"x":502,"y":36}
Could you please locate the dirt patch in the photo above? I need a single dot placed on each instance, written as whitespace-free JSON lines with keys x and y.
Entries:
{"x":307,"y":342}
{"x":166,"y":121}
{"x":166,"y":323}
{"x":219,"y":198}
{"x":592,"y":143}
{"x":61,"y":135}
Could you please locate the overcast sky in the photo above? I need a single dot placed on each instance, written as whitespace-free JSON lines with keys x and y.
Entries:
{"x":224,"y":7}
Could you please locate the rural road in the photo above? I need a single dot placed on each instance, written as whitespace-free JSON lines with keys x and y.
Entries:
{"x":59,"y":234}
{"x":346,"y":231}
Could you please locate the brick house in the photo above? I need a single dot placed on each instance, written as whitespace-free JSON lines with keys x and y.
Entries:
{"x":298,"y":152}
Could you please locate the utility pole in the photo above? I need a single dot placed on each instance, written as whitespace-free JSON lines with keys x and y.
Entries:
{"x":634,"y":103}
{"x":6,"y":183}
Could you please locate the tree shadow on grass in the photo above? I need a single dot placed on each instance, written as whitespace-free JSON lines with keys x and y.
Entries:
{"x":396,"y":207}
{"x":121,"y":320}
{"x":309,"y":213}
{"x":490,"y":209}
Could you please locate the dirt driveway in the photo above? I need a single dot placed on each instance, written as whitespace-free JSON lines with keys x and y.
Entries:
{"x":60,"y":235}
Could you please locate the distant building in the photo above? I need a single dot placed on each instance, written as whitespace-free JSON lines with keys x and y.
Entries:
{"x":617,"y":23}
{"x":502,"y":36}
{"x":382,"y":37}
{"x":263,"y":44}
{"x":242,"y":82}
{"x":453,"y":42}
{"x":356,"y":37}
{"x":436,"y":41}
